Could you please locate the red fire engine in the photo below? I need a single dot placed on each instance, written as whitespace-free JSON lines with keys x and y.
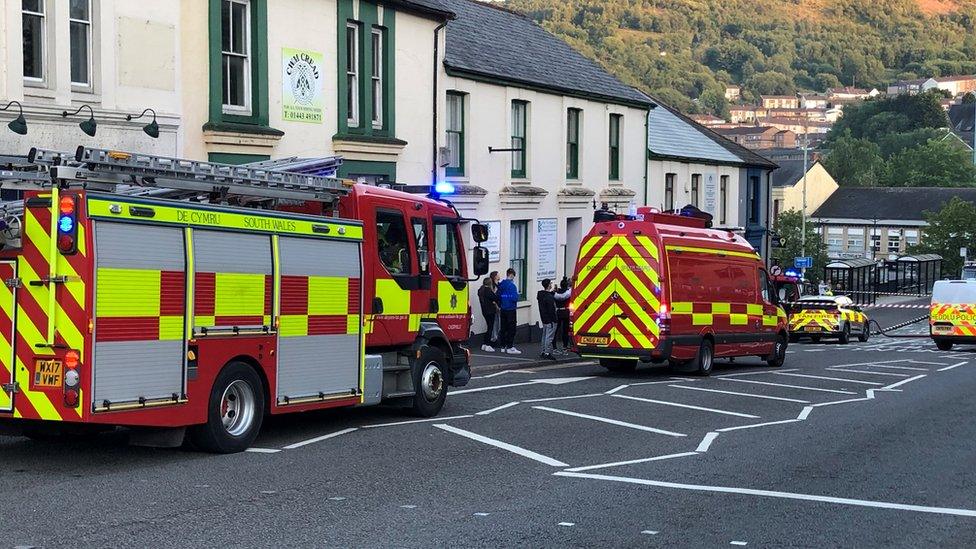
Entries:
{"x":120,"y":308}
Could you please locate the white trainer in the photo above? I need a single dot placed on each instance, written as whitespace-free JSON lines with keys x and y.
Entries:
{"x":487,"y":348}
{"x":514,"y":351}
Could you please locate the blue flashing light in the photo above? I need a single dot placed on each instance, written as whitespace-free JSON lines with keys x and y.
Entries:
{"x":66,"y":224}
{"x":792,"y":273}
{"x":443,"y":187}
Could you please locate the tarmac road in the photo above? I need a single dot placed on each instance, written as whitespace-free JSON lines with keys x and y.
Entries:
{"x":863,"y":445}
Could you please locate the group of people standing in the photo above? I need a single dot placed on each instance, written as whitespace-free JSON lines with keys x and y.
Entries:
{"x":499,"y":306}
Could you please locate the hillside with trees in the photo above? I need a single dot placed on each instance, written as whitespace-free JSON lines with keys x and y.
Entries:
{"x":686,"y":51}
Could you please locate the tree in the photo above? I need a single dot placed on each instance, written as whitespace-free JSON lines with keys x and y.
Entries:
{"x":771,"y":83}
{"x":713,"y":101}
{"x":951,"y":228}
{"x":789,"y":227}
{"x":937,"y":163}
{"x":855,"y":162}
{"x":826,"y":80}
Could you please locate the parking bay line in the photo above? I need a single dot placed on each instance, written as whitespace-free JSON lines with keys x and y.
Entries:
{"x":319,"y":439}
{"x":899,"y":367}
{"x":889,"y":374}
{"x":631,"y":462}
{"x":611,"y":421}
{"x":502,"y":445}
{"x":947,"y":368}
{"x":688,"y":406}
{"x":740,"y":394}
{"x":411,"y":421}
{"x":774,"y":494}
{"x":497,"y":408}
{"x":838,"y":391}
{"x":846,"y":380}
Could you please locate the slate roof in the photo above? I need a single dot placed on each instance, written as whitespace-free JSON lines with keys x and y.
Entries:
{"x":431,"y":7}
{"x":899,"y":203}
{"x":671,"y":134}
{"x":961,"y":117}
{"x":490,"y":42}
{"x":789,"y":173}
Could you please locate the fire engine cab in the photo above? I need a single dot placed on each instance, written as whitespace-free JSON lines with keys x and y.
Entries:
{"x":660,"y":287}
{"x":120,"y":308}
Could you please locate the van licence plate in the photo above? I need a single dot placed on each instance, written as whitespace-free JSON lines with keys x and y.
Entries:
{"x":942,"y":329}
{"x":594,"y":340}
{"x":813,"y":328}
{"x":48,"y":373}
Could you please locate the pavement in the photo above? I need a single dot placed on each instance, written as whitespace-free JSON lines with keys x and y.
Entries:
{"x":859,"y":445}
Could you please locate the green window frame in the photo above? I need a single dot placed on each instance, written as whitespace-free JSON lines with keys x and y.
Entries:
{"x":723,"y":198}
{"x":695,"y":189}
{"x":455,"y":133}
{"x":573,"y":118}
{"x":367,"y":74}
{"x":250,"y":49}
{"x":518,"y":256}
{"x":615,"y":122}
{"x":669,"y":191}
{"x":520,"y":141}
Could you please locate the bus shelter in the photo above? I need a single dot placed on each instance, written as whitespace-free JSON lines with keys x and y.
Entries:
{"x":916,"y":274}
{"x":855,"y":278}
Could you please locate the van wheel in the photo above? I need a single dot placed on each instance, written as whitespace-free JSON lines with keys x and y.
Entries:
{"x":619,"y":366}
{"x":430,"y":387}
{"x":845,"y":335}
{"x":705,"y":358}
{"x":865,"y":333}
{"x":235,"y":411}
{"x":943,"y":345}
{"x":778,"y":356}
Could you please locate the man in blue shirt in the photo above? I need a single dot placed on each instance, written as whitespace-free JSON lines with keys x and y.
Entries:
{"x":508,"y":296}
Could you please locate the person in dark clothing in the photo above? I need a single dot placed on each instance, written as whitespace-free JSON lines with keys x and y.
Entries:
{"x":562,"y":315}
{"x":489,"y":305}
{"x":547,"y":314}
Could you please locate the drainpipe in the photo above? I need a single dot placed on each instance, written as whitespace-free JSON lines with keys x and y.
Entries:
{"x":647,"y":148}
{"x":436,"y":96}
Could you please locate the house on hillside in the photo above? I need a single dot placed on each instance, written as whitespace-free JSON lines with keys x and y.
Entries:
{"x":788,"y":183}
{"x":848,"y":94}
{"x":880,"y":222}
{"x":814,"y":101}
{"x":780,"y":101}
{"x":733,"y":93}
{"x":688,"y":163}
{"x":955,"y":85}
{"x":535,"y":134}
{"x":707,"y":119}
{"x":741,"y":114}
{"x":961,"y":118}
{"x":759,"y":137}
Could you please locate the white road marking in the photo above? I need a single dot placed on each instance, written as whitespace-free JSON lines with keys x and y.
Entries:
{"x":759,"y":373}
{"x":793,"y":386}
{"x":814,"y":350}
{"x":706,"y":442}
{"x":563,"y":398}
{"x":410,"y":421}
{"x":548,"y":381}
{"x":501,"y":373}
{"x":834,"y":379}
{"x":567,"y":524}
{"x":902,"y":382}
{"x":688,"y":406}
{"x":900,"y":367}
{"x":615,"y":389}
{"x":319,"y":439}
{"x":889,"y":374}
{"x":754,"y":425}
{"x":481,"y":514}
{"x":804,"y":413}
{"x":559,"y":366}
{"x":913,"y":361}
{"x":738,"y":543}
{"x":504,"y":357}
{"x":502,"y":445}
{"x":612,"y":422}
{"x":649,"y":532}
{"x":869,"y":363}
{"x":633,"y":461}
{"x":741,"y":394}
{"x":776,"y":494}
{"x":497,"y":408}
{"x":947,"y":368}
{"x":672,"y":380}
{"x":262,"y":450}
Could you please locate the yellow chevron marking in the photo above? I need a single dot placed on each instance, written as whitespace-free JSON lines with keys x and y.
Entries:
{"x":588,"y":244}
{"x":648,"y":245}
{"x":38,"y":400}
{"x":594,"y":306}
{"x":637,"y":334}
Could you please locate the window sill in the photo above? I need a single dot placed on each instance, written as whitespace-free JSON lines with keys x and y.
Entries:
{"x":359,"y":138}
{"x":236,"y":127}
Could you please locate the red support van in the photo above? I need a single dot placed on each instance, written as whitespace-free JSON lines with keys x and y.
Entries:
{"x":666,"y":288}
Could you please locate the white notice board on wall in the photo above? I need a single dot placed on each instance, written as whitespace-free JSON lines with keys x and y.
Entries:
{"x":711,"y":194}
{"x":494,"y":242}
{"x":545,"y":246}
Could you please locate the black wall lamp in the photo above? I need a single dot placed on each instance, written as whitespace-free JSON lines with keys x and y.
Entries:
{"x":152,"y":128}
{"x":88,"y":126}
{"x":17,"y":125}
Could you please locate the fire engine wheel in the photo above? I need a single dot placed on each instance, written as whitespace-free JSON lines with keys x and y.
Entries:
{"x":845,"y":335}
{"x":618,"y":366}
{"x":430,"y":388}
{"x":235,"y":412}
{"x":778,"y":357}
{"x":705,"y":358}
{"x":943,"y":345}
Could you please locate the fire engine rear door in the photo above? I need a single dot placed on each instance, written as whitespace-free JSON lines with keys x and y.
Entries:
{"x":8,"y":273}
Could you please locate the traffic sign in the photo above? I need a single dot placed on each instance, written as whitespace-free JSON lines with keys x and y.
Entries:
{"x":803,"y":262}
{"x":775,"y":270}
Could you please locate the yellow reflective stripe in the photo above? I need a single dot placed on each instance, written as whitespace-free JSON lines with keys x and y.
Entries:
{"x":38,"y":400}
{"x":396,"y":300}
{"x":587,"y":244}
{"x":595,"y":305}
{"x":414,"y":323}
{"x":201,"y":216}
{"x":701,"y":319}
{"x":642,"y":340}
{"x":293,"y":325}
{"x":445,"y":291}
{"x":682,"y":307}
{"x":769,"y":320}
{"x":738,"y":319}
{"x":52,"y":260}
{"x":190,"y":282}
{"x":641,"y":262}
{"x":643,"y":290}
{"x":328,"y":295}
{"x":721,"y":308}
{"x":754,"y":309}
{"x":127,"y":292}
{"x":647,"y":244}
{"x":239,"y":294}
{"x":170,"y":328}
{"x":603,"y":319}
{"x":637,"y":310}
{"x":712,"y":251}
{"x":353,"y":324}
{"x":7,"y":359}
{"x":204,"y":321}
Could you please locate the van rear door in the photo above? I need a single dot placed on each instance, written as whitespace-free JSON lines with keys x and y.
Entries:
{"x":617,"y":291}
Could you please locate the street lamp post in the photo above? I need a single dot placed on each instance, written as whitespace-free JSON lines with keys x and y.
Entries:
{"x":803,"y":211}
